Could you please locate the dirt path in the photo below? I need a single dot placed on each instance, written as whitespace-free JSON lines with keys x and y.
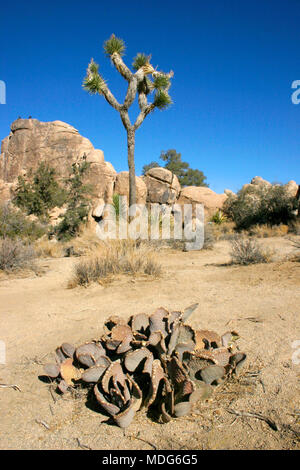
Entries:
{"x":261,"y":302}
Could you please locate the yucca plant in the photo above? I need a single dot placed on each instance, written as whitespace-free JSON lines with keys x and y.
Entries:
{"x":218,"y":217}
{"x":139,"y":85}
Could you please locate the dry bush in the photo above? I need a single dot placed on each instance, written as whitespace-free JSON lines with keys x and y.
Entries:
{"x":49,"y":248}
{"x":86,"y":243}
{"x":115,"y":257}
{"x":224,"y":231}
{"x":266,"y":231}
{"x":296,"y":255}
{"x":247,"y":251}
{"x":16,"y":255}
{"x":295,"y":227}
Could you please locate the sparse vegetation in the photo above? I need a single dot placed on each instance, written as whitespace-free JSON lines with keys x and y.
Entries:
{"x":45,"y":248}
{"x":247,"y":251}
{"x":115,"y":257}
{"x":16,"y":255}
{"x":266,"y":231}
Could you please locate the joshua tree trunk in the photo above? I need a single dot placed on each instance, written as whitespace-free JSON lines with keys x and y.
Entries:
{"x":131,"y":165}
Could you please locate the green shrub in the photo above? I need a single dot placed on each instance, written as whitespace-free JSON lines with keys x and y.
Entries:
{"x":39,"y":192}
{"x":78,"y":203}
{"x":13,"y":224}
{"x":253,"y":205}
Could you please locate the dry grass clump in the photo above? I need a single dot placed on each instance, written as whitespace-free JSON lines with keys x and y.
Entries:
{"x":86,"y":243}
{"x":223,"y":231}
{"x":296,"y":255}
{"x":115,"y":257}
{"x":247,"y":251}
{"x":266,"y":231}
{"x":45,"y":248}
{"x":16,"y":255}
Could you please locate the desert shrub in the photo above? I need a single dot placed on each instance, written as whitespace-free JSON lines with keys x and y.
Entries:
{"x":45,"y":248}
{"x":247,"y":251}
{"x":115,"y":257}
{"x":13,"y":224}
{"x":77,"y":203}
{"x":224,"y":231}
{"x":15,"y":254}
{"x":294,"y":226}
{"x":270,"y":205}
{"x":39,"y":192}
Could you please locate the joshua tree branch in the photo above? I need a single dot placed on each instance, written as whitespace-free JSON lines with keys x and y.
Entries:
{"x":110,"y":98}
{"x":131,"y":93}
{"x":143,"y":114}
{"x":121,"y":67}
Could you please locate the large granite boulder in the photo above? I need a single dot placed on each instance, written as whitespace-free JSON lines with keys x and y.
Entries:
{"x":292,"y":188}
{"x":259,"y":181}
{"x":122,"y":187}
{"x":31,"y":142}
{"x":202,"y":195}
{"x":162,"y":186}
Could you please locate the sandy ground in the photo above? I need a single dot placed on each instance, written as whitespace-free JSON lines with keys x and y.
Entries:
{"x":261,"y":302}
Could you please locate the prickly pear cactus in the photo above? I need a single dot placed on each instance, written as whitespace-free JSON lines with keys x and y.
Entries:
{"x":155,"y":361}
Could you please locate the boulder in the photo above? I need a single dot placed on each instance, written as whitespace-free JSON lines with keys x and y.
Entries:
{"x":202,"y":195}
{"x":5,"y":191}
{"x":57,"y":143}
{"x":162,"y":186}
{"x":259,"y":181}
{"x":101,"y":176}
{"x":122,"y":187}
{"x":228,"y":193}
{"x":292,"y":188}
{"x":95,"y":156}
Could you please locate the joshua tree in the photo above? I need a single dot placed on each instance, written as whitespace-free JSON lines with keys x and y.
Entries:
{"x":139,"y":84}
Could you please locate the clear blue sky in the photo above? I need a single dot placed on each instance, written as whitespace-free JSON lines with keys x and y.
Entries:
{"x":234,"y":62}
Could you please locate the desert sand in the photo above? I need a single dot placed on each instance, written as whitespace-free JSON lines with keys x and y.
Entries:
{"x":260,"y":302}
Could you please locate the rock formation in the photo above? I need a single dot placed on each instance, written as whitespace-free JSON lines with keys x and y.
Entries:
{"x":31,"y":142}
{"x":202,"y":195}
{"x":162,"y":185}
{"x":122,"y":187}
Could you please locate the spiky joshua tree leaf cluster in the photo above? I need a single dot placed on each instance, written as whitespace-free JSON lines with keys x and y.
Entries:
{"x":155,"y":361}
{"x":115,"y":48}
